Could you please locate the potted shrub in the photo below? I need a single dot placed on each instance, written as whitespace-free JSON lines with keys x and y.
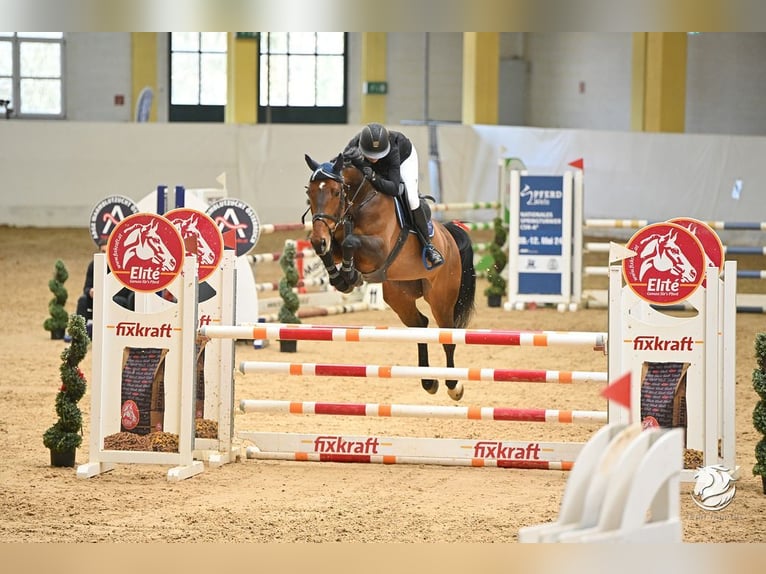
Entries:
{"x":497,"y":283}
{"x":759,"y":413}
{"x":57,"y":322}
{"x":290,"y":301}
{"x":65,"y":435}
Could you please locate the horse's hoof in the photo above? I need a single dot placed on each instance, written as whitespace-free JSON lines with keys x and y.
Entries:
{"x":456,"y":393}
{"x":430,"y":385}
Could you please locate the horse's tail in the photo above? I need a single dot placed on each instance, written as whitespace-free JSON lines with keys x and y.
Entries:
{"x":464,"y":306}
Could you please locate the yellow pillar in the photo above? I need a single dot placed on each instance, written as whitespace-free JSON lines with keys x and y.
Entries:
{"x":242,"y":80}
{"x":374,"y":45}
{"x":481,"y":68}
{"x":143,"y":48}
{"x":658,"y":95}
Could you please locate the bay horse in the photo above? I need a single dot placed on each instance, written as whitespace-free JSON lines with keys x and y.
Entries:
{"x":359,"y":236}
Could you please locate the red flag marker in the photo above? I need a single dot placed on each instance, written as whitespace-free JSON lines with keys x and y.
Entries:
{"x":230,"y":239}
{"x":578,"y":163}
{"x":619,"y":391}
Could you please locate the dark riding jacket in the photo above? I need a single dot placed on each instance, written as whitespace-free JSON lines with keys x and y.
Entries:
{"x":388,"y":178}
{"x":85,"y":302}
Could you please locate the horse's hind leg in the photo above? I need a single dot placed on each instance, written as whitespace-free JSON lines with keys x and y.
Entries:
{"x":430,"y":385}
{"x":401,"y":297}
{"x":454,"y":388}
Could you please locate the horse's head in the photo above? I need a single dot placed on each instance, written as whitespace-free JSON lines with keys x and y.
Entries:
{"x":160,"y":252}
{"x":327,"y":201}
{"x":663,"y":254}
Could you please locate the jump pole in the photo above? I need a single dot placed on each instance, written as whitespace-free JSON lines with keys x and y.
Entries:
{"x":414,"y":450}
{"x":406,"y":372}
{"x":410,"y":335}
{"x":404,"y":450}
{"x":423,"y":411}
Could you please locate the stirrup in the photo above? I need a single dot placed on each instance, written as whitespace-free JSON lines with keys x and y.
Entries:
{"x":431,"y":257}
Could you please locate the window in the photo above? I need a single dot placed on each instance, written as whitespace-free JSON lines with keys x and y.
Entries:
{"x":197,"y":76}
{"x":31,"y":65}
{"x":302,"y":77}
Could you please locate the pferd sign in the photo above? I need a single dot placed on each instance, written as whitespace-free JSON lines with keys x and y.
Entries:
{"x":669,"y":264}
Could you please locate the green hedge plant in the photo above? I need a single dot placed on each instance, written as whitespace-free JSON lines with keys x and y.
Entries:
{"x":759,"y":412}
{"x":57,"y":322}
{"x":66,"y":433}
{"x":497,"y":282}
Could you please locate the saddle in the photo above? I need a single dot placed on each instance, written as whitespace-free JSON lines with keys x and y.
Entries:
{"x":404,"y":215}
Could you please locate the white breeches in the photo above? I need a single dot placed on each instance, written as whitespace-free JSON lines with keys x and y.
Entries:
{"x":409,"y":173}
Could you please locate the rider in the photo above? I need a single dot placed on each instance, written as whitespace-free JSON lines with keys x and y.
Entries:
{"x":393,"y":165}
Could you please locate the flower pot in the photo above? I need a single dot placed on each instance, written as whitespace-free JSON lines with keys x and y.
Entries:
{"x":63,"y":457}
{"x":494,"y":300}
{"x":288,"y":346}
{"x":58,"y":333}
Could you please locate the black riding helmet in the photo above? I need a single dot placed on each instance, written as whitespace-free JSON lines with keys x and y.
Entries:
{"x":373,"y":141}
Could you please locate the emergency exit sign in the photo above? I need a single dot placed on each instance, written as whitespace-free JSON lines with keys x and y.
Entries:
{"x":376,"y":87}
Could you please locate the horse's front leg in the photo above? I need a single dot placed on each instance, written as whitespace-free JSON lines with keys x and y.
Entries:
{"x":348,"y":271}
{"x":345,"y":277}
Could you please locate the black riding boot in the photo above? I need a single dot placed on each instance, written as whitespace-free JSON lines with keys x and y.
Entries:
{"x":432,"y":255}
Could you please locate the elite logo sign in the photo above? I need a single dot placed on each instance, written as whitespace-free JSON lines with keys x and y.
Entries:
{"x":669,"y":264}
{"x":198,"y":226}
{"x":145,"y":252}
{"x":108,"y":213}
{"x":236,"y":215}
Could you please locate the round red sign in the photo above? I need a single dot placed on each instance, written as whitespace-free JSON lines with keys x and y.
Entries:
{"x":649,"y":422}
{"x":669,"y":264}
{"x":129,"y":415}
{"x":193,"y":224}
{"x":711,"y":243}
{"x":145,"y":252}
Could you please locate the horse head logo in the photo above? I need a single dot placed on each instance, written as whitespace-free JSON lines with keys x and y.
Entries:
{"x":190,"y":228}
{"x":143,"y":241}
{"x":714,"y":487}
{"x":661,"y":252}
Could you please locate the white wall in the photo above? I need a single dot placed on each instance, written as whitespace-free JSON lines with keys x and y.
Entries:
{"x":725,"y":79}
{"x":559,"y":62}
{"x":98,"y":67}
{"x":57,"y":171}
{"x":54,"y":172}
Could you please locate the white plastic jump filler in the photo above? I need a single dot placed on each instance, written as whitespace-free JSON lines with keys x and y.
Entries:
{"x":622,"y":475}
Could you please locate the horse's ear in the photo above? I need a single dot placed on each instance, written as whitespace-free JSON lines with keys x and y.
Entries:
{"x":338,"y":163}
{"x":311,"y":163}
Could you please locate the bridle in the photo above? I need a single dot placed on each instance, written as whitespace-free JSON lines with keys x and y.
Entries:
{"x":347,"y":204}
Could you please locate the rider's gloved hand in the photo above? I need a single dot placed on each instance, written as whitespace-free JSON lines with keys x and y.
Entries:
{"x":368,"y":173}
{"x":353,"y":155}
